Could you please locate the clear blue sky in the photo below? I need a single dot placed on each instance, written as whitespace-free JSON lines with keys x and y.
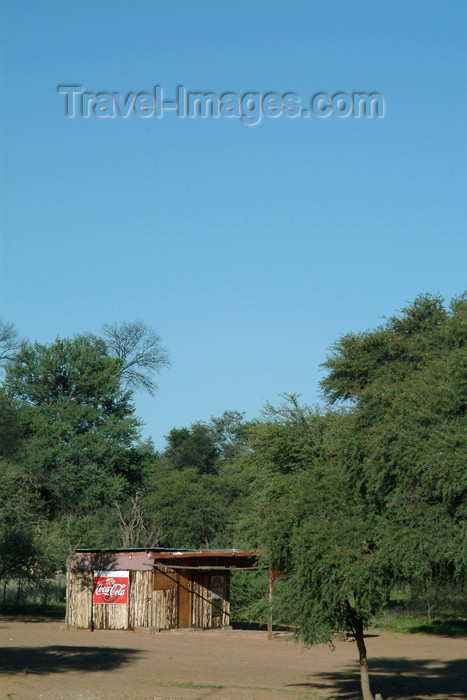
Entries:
{"x":249,"y":249}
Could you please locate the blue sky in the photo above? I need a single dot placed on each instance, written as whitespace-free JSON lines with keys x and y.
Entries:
{"x":249,"y":249}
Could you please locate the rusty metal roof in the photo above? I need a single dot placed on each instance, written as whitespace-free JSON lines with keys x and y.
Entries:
{"x":172,"y":553}
{"x":206,"y":553}
{"x":127,"y":549}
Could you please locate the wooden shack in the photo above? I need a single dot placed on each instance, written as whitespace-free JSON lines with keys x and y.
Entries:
{"x":151,"y":588}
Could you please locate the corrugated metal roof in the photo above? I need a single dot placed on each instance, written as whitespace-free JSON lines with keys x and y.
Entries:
{"x":194,"y":554}
{"x":128,"y":549}
{"x":165,"y":552}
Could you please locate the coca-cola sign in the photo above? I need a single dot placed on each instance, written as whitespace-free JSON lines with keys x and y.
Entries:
{"x":111,"y":586}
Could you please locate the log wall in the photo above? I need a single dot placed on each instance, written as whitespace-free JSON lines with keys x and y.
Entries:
{"x":165,"y":610}
{"x":111,"y":616}
{"x":146,"y":607}
{"x":202,"y":602}
{"x":201,"y":607}
{"x":140,"y":599}
{"x":79,"y":599}
{"x":164,"y":603}
{"x":226,"y":602}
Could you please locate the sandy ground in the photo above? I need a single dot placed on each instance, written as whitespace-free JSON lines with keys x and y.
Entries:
{"x":42,"y":660}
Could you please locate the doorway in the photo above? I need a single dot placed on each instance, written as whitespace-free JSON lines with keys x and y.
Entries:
{"x":184,"y":599}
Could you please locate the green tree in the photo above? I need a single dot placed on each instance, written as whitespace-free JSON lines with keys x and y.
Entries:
{"x":12,"y":427}
{"x":21,"y":551}
{"x":230,"y":432}
{"x":373,"y":495}
{"x":69,"y":436}
{"x":406,"y":446}
{"x":194,"y":491}
{"x":24,"y":546}
{"x":192,"y":447}
{"x":308,"y":521}
{"x":80,"y":422}
{"x":187,"y":508}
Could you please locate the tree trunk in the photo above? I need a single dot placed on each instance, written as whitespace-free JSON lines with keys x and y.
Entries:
{"x":364,"y":675}
{"x":356,"y":625}
{"x":429,"y":608}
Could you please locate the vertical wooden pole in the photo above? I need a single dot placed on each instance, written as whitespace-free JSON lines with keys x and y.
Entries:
{"x":92,"y":597}
{"x":271,"y":595}
{"x":67,"y":591}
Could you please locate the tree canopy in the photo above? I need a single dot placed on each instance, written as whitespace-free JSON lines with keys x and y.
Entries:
{"x":373,"y":495}
{"x":80,"y":421}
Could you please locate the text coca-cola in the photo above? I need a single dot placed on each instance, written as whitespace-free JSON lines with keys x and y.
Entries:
{"x":111,"y":587}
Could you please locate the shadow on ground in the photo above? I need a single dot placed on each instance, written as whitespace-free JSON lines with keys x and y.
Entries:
{"x":5,"y":621}
{"x":59,"y":659}
{"x":398,"y":679}
{"x":445,"y":628}
{"x":258,"y":626}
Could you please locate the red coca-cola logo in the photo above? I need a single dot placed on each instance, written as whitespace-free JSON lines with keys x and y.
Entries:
{"x":111,"y":587}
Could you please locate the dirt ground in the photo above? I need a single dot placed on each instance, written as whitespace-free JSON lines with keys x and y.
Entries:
{"x":42,"y":660}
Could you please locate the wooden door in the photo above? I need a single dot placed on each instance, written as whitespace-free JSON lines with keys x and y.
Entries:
{"x":184,"y":599}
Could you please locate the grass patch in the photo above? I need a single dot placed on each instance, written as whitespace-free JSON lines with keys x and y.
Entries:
{"x":195,"y":686}
{"x":447,"y":625}
{"x":408,"y":614}
{"x":309,"y":695}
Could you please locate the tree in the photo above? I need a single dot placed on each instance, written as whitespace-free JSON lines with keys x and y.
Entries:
{"x":230,"y":432}
{"x":195,"y":489}
{"x":12,"y":427}
{"x":69,"y":436}
{"x":133,"y":525}
{"x":25,"y":555}
{"x":80,"y":422}
{"x":192,"y":447}
{"x":23,"y":547}
{"x":9,"y":342}
{"x":407,"y":437}
{"x":392,"y":351}
{"x":188,"y":508}
{"x":373,"y":495}
{"x":308,"y":521}
{"x":140,"y":352}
